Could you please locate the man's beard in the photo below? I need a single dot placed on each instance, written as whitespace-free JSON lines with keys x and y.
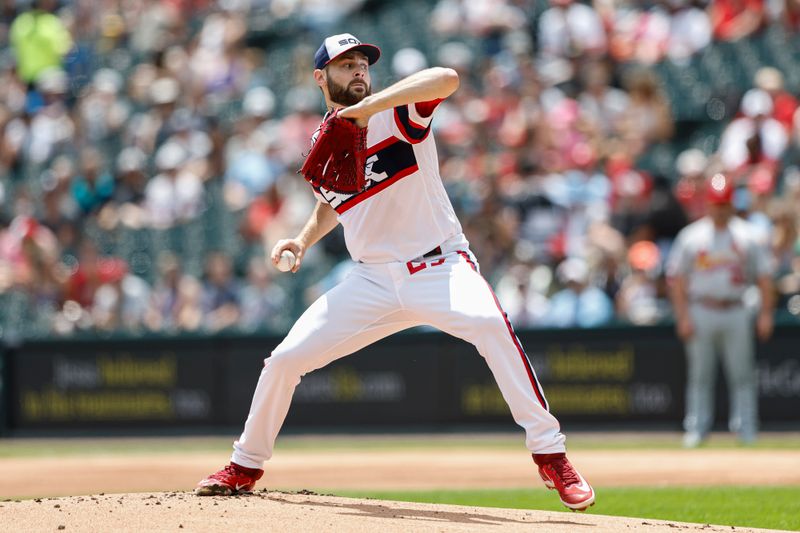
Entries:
{"x":343,"y":95}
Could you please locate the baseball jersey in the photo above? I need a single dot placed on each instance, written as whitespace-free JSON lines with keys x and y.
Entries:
{"x":404,"y":211}
{"x":718,"y":264}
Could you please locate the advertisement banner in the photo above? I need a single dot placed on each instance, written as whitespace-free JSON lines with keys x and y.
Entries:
{"x":86,"y":385}
{"x":422,"y":379}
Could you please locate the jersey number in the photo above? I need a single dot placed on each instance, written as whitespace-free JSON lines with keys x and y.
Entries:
{"x":413,"y":269}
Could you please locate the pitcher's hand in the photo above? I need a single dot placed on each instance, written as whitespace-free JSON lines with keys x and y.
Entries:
{"x":295,"y":246}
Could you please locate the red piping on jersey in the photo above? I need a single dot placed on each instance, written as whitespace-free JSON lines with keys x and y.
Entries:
{"x":402,"y":129}
{"x":376,"y":189}
{"x":525,"y":361}
{"x":418,"y":126}
{"x":375,"y":148}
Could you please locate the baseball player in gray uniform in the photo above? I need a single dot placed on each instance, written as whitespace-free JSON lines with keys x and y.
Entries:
{"x":712,"y":263}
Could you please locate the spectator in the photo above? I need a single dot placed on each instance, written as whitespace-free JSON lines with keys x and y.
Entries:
{"x":59,"y":211}
{"x":751,"y":202}
{"x":640,"y":34}
{"x":131,"y":179}
{"x":578,"y":304}
{"x":602,"y":106}
{"x":39,"y":40}
{"x":189,"y":309}
{"x":121,"y":303}
{"x":648,"y":118}
{"x":94,"y":186}
{"x":691,"y":165}
{"x":164,"y":304}
{"x":252,"y":171}
{"x":785,"y":237}
{"x":263,"y":301}
{"x":52,"y":128}
{"x":735,"y":19}
{"x":569,"y":30}
{"x":220,"y":301}
{"x":638,"y":299}
{"x":753,"y":142}
{"x":784,"y":104}
{"x":176,"y":193}
{"x":791,"y":15}
{"x":28,"y":257}
{"x":664,"y":216}
{"x":689,"y":31}
{"x":407,"y":61}
{"x":102,"y":110}
{"x":519,"y":290}
{"x":90,"y":272}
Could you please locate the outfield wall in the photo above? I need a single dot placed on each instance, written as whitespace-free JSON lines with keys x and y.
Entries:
{"x":604,"y":377}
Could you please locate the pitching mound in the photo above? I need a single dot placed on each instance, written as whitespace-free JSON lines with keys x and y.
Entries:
{"x":296,"y":512}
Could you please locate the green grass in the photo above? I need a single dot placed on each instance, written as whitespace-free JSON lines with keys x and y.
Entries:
{"x":33,"y":447}
{"x":762,"y":507}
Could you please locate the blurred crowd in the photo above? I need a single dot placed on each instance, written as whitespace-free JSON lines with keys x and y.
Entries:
{"x":127,"y":115}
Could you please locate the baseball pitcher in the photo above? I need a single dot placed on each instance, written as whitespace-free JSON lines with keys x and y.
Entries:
{"x":380,"y":180}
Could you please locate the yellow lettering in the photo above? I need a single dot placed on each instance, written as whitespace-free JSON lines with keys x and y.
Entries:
{"x":127,"y":371}
{"x":577,"y":363}
{"x":483,"y":399}
{"x":346,"y":384}
{"x":590,"y":399}
{"x":53,"y":405}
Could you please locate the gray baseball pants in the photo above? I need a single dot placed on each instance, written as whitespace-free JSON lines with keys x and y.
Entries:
{"x":728,"y":332}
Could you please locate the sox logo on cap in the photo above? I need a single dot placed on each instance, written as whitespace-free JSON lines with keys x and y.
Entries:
{"x":336,"y":45}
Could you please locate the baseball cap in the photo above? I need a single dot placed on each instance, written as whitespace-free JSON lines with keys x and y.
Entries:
{"x":719,"y":190}
{"x":335,"y":45}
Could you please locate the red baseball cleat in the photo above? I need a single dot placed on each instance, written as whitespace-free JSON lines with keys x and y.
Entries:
{"x":233,"y":479}
{"x":557,"y":473}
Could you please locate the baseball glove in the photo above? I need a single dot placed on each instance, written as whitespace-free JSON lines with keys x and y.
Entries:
{"x":336,"y":161}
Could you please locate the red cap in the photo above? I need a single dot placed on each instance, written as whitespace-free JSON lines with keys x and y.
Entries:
{"x":719,"y":190}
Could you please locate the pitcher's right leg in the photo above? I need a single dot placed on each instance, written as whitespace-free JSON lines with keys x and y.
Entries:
{"x":352,"y":315}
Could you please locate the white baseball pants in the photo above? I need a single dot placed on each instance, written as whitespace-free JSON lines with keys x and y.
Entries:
{"x":377,"y":300}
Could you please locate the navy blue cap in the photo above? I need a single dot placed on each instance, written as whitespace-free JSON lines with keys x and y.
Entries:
{"x":335,"y":45}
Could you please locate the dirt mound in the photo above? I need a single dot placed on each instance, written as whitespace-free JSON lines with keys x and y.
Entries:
{"x":296,"y":512}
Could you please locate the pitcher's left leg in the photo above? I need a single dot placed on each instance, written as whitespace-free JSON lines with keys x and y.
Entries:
{"x":456,"y":299}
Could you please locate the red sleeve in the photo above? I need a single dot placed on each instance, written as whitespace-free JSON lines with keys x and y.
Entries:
{"x":425,"y":109}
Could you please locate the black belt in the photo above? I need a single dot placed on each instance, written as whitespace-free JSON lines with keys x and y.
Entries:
{"x":435,"y":251}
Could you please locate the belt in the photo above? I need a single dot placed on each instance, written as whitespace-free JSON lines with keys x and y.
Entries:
{"x":435,"y":251}
{"x":715,"y":303}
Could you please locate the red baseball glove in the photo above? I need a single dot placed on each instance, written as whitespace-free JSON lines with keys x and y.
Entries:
{"x":337,"y":159}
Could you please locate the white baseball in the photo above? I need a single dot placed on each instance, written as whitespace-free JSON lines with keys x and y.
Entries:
{"x":286,"y":261}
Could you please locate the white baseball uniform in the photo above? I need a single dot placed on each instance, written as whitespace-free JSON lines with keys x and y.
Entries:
{"x":414,"y":267}
{"x":719,"y":265}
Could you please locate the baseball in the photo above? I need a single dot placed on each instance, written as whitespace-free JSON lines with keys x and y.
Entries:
{"x":285,"y":261}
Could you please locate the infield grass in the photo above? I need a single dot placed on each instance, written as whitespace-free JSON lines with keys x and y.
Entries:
{"x":69,"y":446}
{"x":762,"y":507}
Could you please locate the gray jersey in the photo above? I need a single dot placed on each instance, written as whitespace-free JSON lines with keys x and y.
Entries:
{"x":718,"y":264}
